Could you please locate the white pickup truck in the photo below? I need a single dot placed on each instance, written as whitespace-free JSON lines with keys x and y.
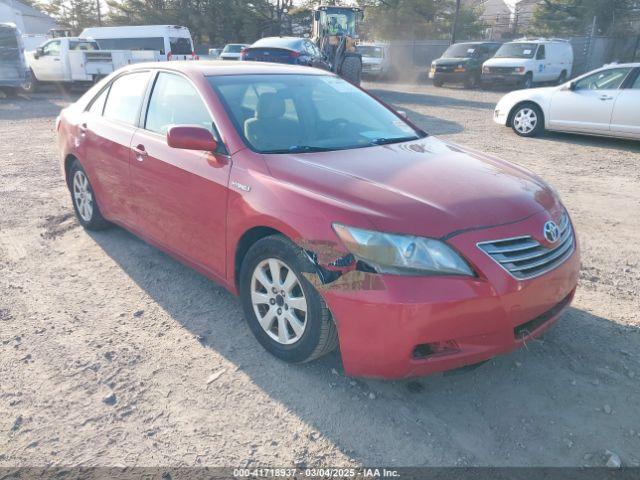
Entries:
{"x":71,"y":60}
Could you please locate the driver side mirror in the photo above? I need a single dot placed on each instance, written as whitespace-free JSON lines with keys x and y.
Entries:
{"x":191,"y":138}
{"x":38,"y":53}
{"x":571,"y":86}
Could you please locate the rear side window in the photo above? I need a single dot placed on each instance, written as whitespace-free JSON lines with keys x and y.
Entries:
{"x":150,"y":43}
{"x":8,"y":39}
{"x":125,"y":97}
{"x":175,"y":101}
{"x":636,"y":84}
{"x":180,"y":46}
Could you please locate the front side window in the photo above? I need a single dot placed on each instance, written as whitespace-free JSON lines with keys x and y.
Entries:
{"x":52,"y":48}
{"x":125,"y":97}
{"x":541,"y":55}
{"x":97,"y":106}
{"x":307,"y":113}
{"x":175,"y":101}
{"x":636,"y":84}
{"x":604,"y":80}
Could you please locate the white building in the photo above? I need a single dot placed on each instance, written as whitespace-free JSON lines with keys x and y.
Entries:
{"x":28,"y":19}
{"x":504,"y":18}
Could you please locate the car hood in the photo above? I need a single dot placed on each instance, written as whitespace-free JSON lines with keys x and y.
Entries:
{"x":425,"y":187}
{"x":451,"y":61}
{"x":506,"y":62}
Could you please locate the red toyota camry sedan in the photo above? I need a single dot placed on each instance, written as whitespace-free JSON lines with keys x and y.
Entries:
{"x":336,"y":220}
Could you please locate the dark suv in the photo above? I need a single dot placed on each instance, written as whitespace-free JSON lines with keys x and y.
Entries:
{"x":462,"y":63}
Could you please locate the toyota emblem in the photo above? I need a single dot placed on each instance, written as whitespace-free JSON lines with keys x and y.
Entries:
{"x":551,"y":231}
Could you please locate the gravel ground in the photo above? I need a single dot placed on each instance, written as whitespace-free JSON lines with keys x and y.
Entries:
{"x":111,"y":353}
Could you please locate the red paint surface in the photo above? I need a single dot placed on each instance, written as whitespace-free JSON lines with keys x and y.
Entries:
{"x":184,"y":202}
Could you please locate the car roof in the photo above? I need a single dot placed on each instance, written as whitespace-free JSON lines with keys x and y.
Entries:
{"x":221,"y":67}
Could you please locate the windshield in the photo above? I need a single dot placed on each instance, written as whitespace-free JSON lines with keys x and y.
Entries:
{"x":338,"y":21}
{"x":370,"y":51}
{"x":233,"y":48}
{"x":307,"y":113}
{"x":460,"y":50}
{"x":516,"y":50}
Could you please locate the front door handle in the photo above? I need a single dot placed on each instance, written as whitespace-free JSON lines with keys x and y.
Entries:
{"x":56,"y":59}
{"x":140,"y":152}
{"x":83,"y":129}
{"x":605,"y":97}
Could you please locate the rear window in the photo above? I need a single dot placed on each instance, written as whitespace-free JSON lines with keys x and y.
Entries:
{"x":370,"y":51}
{"x":125,"y":97}
{"x":75,"y":45}
{"x":150,"y":43}
{"x":180,"y":46}
{"x":232,"y":48}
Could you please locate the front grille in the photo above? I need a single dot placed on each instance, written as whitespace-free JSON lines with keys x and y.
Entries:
{"x":525,"y":257}
{"x":445,"y":68}
{"x":529,"y":327}
{"x":502,"y":70}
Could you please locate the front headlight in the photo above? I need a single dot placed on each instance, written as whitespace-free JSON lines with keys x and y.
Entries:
{"x":402,"y":254}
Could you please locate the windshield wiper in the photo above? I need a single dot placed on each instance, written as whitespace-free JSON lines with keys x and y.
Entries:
{"x":388,"y":140}
{"x":301,"y":149}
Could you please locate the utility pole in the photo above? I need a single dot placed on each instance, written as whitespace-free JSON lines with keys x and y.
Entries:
{"x":455,"y":23}
{"x":99,"y":13}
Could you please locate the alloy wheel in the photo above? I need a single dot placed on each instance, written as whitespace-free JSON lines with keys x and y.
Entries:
{"x":279,"y":301}
{"x":525,"y":120}
{"x":82,"y":195}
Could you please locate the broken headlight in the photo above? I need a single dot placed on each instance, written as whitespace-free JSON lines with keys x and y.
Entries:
{"x":402,"y":254}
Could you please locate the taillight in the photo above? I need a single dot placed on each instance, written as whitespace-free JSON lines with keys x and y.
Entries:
{"x":169,"y":56}
{"x":194,"y":56}
{"x":294,"y":54}
{"x":243,"y":53}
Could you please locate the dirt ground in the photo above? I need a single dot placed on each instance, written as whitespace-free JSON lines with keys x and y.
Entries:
{"x":111,"y":353}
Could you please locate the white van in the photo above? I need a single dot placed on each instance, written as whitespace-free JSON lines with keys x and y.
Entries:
{"x":172,"y":41}
{"x":525,"y":62}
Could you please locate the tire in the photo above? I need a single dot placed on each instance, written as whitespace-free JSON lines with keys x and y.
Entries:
{"x":437,"y":83}
{"x":562,"y":78}
{"x":10,"y":92}
{"x":527,"y":82}
{"x":84,"y":200}
{"x":471,"y":82}
{"x":527,"y":120}
{"x":31,"y":84}
{"x":351,"y":69}
{"x":316,"y":333}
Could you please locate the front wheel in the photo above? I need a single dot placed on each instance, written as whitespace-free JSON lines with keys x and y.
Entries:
{"x":351,"y":69}
{"x":437,"y":83}
{"x":84,"y":200}
{"x":283,"y":309}
{"x":527,"y":82}
{"x":527,"y":120}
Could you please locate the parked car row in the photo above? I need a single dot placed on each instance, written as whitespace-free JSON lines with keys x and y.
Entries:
{"x":522,"y":63}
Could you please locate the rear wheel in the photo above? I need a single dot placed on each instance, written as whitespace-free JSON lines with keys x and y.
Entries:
{"x":527,"y":120}
{"x":351,"y":69}
{"x":284,"y":311}
{"x":9,"y":92}
{"x":437,"y":83}
{"x":30,"y":84}
{"x":84,"y":200}
{"x":527,"y":82}
{"x":562,"y":78}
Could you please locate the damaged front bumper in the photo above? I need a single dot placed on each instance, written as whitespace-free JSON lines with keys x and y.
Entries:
{"x":393,"y":326}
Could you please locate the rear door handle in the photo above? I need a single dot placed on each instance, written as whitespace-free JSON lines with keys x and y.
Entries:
{"x":140,"y":152}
